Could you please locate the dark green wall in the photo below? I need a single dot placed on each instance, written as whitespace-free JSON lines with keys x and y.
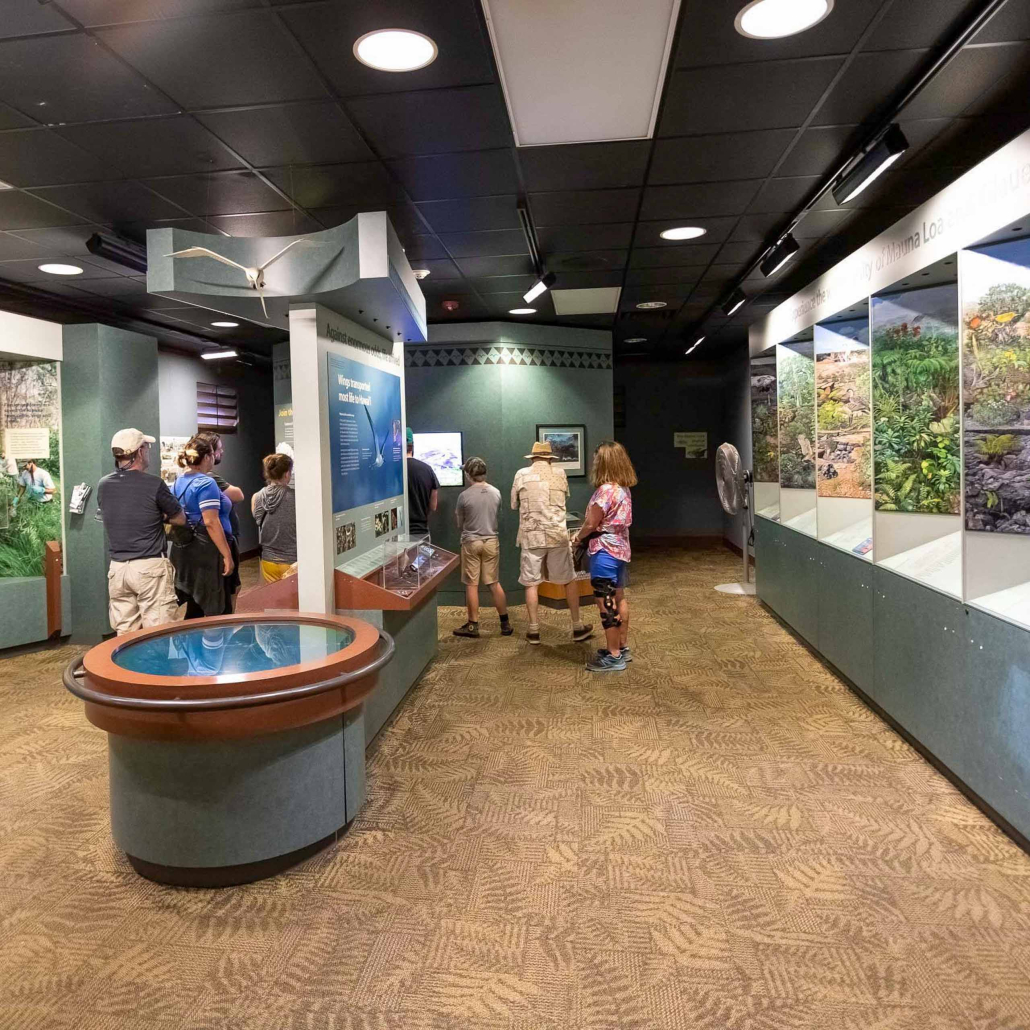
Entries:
{"x":109,"y":381}
{"x":497,"y":407}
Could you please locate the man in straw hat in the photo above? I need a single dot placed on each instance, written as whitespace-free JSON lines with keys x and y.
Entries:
{"x":539,"y":493}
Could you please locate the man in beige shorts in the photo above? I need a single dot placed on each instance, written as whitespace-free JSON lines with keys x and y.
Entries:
{"x":539,"y":494}
{"x":476,"y":515}
{"x":134,"y":507}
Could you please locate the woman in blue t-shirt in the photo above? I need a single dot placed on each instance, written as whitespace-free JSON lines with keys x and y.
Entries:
{"x":205,"y":574}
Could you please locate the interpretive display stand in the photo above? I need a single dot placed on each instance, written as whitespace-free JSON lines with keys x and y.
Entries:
{"x":237,"y":743}
{"x":405,"y":573}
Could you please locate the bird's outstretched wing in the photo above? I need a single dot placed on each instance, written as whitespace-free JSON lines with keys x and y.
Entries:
{"x":261,"y":294}
{"x":191,"y":252}
{"x":295,"y":243}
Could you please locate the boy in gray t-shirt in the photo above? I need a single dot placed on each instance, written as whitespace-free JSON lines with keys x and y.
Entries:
{"x":476,"y":515}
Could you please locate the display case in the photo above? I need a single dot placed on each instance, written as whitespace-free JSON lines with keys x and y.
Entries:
{"x":765,"y":443}
{"x":795,"y":416}
{"x":395,"y":575}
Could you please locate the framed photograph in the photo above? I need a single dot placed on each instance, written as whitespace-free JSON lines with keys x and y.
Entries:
{"x":569,"y":444}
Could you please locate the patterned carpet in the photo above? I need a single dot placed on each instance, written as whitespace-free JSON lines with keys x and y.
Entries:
{"x":722,"y":838}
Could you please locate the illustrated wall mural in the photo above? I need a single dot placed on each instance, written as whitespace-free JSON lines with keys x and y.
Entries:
{"x":765,"y":447}
{"x":996,"y":388}
{"x":843,"y":415}
{"x":30,"y":465}
{"x":795,"y":402}
{"x":915,"y":377}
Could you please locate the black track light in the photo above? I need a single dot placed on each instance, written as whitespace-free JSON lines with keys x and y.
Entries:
{"x":779,"y":255}
{"x":868,"y":168}
{"x":121,"y":252}
{"x":734,"y":302}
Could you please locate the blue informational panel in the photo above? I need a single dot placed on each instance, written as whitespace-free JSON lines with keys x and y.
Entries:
{"x":366,"y":443}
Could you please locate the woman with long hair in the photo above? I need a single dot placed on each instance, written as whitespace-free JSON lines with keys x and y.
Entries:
{"x":606,"y":526}
{"x":274,"y":508}
{"x":206,"y":577}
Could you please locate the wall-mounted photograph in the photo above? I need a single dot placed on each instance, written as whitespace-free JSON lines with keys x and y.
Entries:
{"x":568,"y":444}
{"x":442,"y":452}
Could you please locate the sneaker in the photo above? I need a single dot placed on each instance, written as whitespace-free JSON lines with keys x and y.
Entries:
{"x":470,"y":629}
{"x":583,"y":633}
{"x":506,"y":630}
{"x":533,"y":636}
{"x":625,"y":654}
{"x":606,"y":663}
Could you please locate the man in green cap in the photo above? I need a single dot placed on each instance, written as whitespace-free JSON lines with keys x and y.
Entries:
{"x":423,"y":491}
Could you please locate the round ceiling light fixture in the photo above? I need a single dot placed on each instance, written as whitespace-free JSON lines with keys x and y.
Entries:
{"x":522,"y":311}
{"x":225,"y":325}
{"x":636,"y":339}
{"x":395,"y":50}
{"x":652,"y":305}
{"x":53,"y":268}
{"x":684,"y":232}
{"x":420,"y":273}
{"x":774,"y":19}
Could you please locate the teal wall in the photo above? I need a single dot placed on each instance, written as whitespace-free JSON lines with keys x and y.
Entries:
{"x":109,"y":381}
{"x":497,"y":407}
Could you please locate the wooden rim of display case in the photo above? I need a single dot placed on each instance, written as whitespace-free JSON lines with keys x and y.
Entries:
{"x":364,"y":594}
{"x":233,"y":706}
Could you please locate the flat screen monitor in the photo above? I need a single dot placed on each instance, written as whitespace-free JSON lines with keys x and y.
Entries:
{"x":443,"y":452}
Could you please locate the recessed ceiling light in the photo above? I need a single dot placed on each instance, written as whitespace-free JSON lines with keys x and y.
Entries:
{"x":683,"y":232}
{"x":773,"y":19}
{"x":420,"y":273}
{"x":522,"y":311}
{"x":217,"y":355}
{"x":59,"y":269}
{"x":651,"y":305}
{"x":395,"y":50}
{"x":225,"y":325}
{"x":636,"y":339}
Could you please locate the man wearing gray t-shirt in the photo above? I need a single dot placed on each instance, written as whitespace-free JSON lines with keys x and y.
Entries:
{"x":476,"y":514}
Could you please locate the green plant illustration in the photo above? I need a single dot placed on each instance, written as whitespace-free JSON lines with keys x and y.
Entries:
{"x":915,"y":373}
{"x":765,"y":447}
{"x":795,"y":389}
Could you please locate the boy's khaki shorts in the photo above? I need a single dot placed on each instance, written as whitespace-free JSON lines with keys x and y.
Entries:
{"x":480,"y":561}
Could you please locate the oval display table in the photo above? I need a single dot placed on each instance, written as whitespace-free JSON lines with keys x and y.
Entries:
{"x":236,"y":743}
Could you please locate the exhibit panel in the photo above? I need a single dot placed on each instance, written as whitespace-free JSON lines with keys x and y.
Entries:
{"x":765,"y":442}
{"x":796,"y":419}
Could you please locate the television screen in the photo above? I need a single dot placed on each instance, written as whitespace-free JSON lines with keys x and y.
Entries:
{"x":443,"y":452}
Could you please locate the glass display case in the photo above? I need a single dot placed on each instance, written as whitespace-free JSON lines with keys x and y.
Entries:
{"x":408,"y":564}
{"x":765,"y":443}
{"x":795,"y":416}
{"x":395,"y":574}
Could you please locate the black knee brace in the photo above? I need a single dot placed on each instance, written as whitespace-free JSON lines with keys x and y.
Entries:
{"x":605,"y":589}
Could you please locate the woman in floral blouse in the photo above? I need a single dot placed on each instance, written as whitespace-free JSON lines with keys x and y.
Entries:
{"x":608,"y":518}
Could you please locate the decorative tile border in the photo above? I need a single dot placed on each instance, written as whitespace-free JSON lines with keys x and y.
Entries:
{"x":432,"y":357}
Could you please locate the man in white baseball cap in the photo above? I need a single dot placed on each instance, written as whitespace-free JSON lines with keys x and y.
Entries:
{"x":135,"y":507}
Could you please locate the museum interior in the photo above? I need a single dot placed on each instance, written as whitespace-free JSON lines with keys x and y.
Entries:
{"x":515,"y":515}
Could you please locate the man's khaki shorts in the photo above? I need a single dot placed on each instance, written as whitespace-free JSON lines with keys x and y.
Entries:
{"x":553,"y":564}
{"x":141,"y":594}
{"x":480,"y":560}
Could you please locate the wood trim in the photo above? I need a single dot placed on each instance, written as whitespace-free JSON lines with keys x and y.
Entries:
{"x":53,"y":566}
{"x":365,"y":595}
{"x":280,"y":595}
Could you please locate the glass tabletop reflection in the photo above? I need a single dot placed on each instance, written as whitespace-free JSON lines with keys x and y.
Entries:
{"x":232,"y":649}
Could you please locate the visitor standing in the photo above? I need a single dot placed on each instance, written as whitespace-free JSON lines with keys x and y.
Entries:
{"x":476,"y":515}
{"x":423,"y":491}
{"x":539,"y":493}
{"x":134,"y":507}
{"x":206,"y":577}
{"x":609,"y":515}
{"x":274,"y":508}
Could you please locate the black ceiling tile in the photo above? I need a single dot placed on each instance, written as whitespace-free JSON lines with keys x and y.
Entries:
{"x":502,"y":304}
{"x":587,"y":321}
{"x":910,"y":26}
{"x":14,"y":248}
{"x":582,"y":207}
{"x":403,"y":217}
{"x":472,"y":213}
{"x":328,"y":32}
{"x":868,"y":82}
{"x":118,"y":288}
{"x":741,"y":155}
{"x":439,"y":269}
{"x":648,"y":234}
{"x":819,"y":149}
{"x":1011,"y":22}
{"x":28,"y":17}
{"x":420,"y":248}
{"x":678,"y":276}
{"x":467,"y":174}
{"x":11,"y":119}
{"x":241,"y":58}
{"x":821,"y":223}
{"x":22,"y":211}
{"x":92,"y":13}
{"x":365,"y":183}
{"x":784,"y":194}
{"x":266,"y":223}
{"x":578,"y":238}
{"x":153,"y":146}
{"x":709,"y":37}
{"x":27,"y":271}
{"x":484,"y":244}
{"x":513,"y":264}
{"x":737,"y":98}
{"x":585,"y":166}
{"x":67,"y":239}
{"x":697,"y":255}
{"x":738,"y":253}
{"x":469,"y":306}
{"x":406,"y":124}
{"x":39,"y":157}
{"x":703,"y":198}
{"x":587,"y":261}
{"x":514,"y":284}
{"x":1006,"y":81}
{"x":137,"y":231}
{"x":673,"y":296}
{"x":972,"y":73}
{"x":755,"y":228}
{"x":224,"y":193}
{"x":110,"y":202}
{"x":590,"y":279}
{"x":294,"y":134}
{"x":58,"y":79}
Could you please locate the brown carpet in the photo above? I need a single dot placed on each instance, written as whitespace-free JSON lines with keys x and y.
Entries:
{"x":722,"y":838}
